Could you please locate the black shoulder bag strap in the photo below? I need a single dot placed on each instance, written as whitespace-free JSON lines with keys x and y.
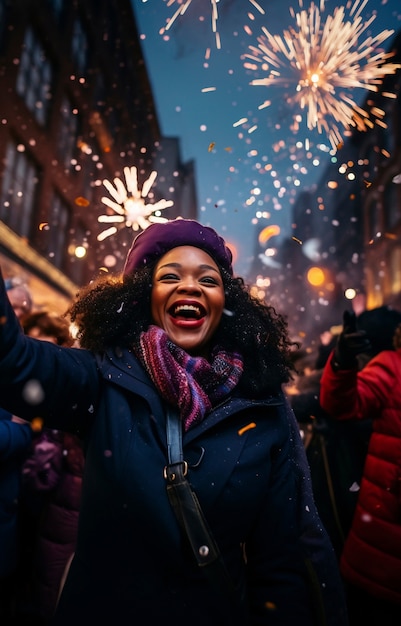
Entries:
{"x":187,"y":509}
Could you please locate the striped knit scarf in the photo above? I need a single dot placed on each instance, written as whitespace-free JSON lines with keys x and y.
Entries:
{"x":191,"y":383}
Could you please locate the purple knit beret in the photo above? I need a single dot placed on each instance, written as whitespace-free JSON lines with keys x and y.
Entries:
{"x":157,"y":239}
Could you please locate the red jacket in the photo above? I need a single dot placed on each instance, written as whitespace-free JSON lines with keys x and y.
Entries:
{"x":371,"y":557}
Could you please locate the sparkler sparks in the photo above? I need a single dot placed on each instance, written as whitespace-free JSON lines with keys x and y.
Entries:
{"x":129,"y":204}
{"x":184,"y":4}
{"x":318,"y":58}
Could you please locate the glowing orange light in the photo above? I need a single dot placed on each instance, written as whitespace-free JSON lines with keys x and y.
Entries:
{"x":315,"y":276}
{"x":233,"y":248}
{"x":269,"y":231}
{"x":37,"y":424}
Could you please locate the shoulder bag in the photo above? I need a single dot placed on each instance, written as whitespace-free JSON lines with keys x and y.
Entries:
{"x":191,"y":519}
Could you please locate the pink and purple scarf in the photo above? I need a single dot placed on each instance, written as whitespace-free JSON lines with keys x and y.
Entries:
{"x":191,"y":383}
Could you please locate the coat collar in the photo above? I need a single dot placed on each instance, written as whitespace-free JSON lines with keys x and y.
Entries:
{"x":123,"y":368}
{"x":231,"y":405}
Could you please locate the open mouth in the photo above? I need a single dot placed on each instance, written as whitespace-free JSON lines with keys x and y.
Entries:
{"x":187,"y":311}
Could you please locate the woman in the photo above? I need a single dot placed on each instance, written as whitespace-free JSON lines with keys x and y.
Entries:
{"x":371,"y":557}
{"x":178,"y":330}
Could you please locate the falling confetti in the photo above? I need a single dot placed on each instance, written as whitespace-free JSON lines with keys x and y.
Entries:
{"x":247,"y":427}
{"x":80,"y":201}
{"x":129,"y":204}
{"x":319,"y":57}
{"x":397,"y":179}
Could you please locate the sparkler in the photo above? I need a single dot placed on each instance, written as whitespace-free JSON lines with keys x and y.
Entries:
{"x":319,"y":57}
{"x":184,"y":4}
{"x":129,"y":204}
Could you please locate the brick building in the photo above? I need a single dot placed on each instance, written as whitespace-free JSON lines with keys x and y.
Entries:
{"x":76,"y":108}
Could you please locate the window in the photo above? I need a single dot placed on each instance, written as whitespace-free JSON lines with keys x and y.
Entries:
{"x":69,"y":127}
{"x":35,"y":77}
{"x":387,"y":136}
{"x":56,"y":7}
{"x":392,"y":212}
{"x":374,"y":221}
{"x":20,"y":180}
{"x":79,"y":45}
{"x":59,"y":219}
{"x":395,"y":270}
{"x":78,"y":266}
{"x":371,"y":156}
{"x":100,"y":91}
{"x":3,"y":30}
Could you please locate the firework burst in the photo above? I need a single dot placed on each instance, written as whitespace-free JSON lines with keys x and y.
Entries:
{"x":319,"y":58}
{"x":184,"y":4}
{"x":129,"y":204}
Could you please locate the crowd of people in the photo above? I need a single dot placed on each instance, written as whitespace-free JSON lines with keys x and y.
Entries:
{"x":349,"y":401}
{"x":41,"y":473}
{"x":183,"y":460}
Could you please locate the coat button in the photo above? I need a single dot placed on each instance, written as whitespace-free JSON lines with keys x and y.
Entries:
{"x":203,"y":550}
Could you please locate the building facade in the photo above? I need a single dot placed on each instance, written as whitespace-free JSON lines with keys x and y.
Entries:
{"x":77,"y":109}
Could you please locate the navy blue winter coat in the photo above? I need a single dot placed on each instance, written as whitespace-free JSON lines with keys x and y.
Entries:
{"x":15,"y":441}
{"x":246,"y":464}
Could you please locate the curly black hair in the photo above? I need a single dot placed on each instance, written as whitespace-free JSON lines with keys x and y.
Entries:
{"x":113,"y":311}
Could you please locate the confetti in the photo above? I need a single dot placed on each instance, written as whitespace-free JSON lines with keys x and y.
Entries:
{"x":247,"y":427}
{"x":80,"y":201}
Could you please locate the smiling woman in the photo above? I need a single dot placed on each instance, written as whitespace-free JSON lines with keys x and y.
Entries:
{"x":188,"y":298}
{"x":179,"y":333}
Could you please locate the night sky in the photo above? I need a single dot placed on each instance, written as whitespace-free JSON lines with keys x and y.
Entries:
{"x":247,"y":174}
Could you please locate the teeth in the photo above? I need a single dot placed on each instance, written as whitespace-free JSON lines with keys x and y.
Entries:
{"x":187,"y":307}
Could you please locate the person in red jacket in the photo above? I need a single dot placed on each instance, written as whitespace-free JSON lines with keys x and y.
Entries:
{"x":370,"y":562}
